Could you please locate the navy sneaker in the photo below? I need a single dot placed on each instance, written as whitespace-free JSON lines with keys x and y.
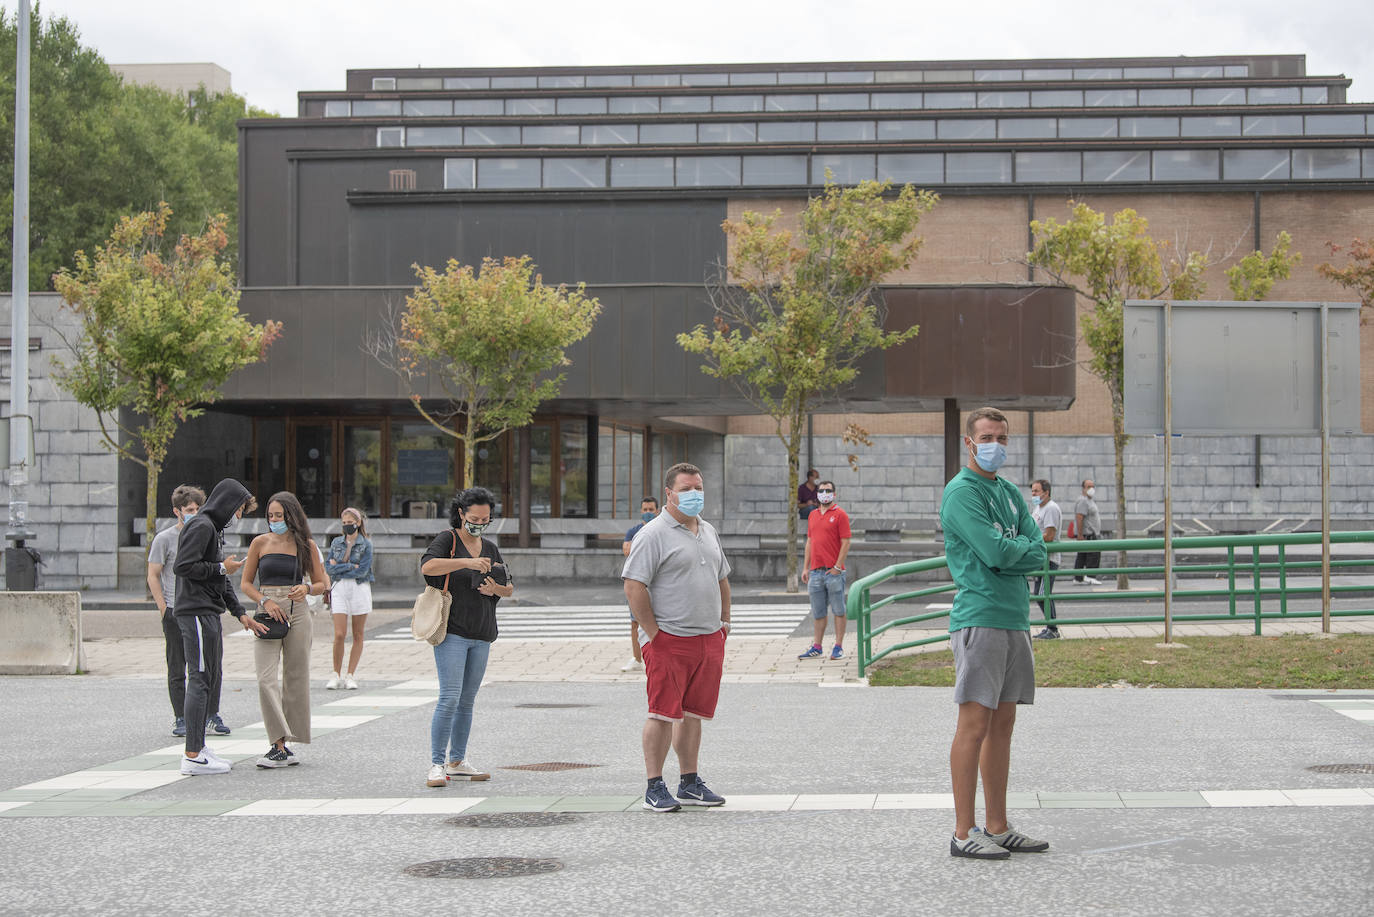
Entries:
{"x":179,"y":727}
{"x":216,"y":725}
{"x":1048,"y":633}
{"x":837,"y":652}
{"x":812,"y":652}
{"x":658,"y":799}
{"x":697,"y":793}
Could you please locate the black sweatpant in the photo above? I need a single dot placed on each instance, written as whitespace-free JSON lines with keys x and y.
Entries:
{"x":1087,"y":560}
{"x":202,"y":642}
{"x":176,"y":663}
{"x":1047,"y":604}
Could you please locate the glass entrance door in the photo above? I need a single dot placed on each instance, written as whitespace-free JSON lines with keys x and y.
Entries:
{"x":312,"y":473}
{"x":360,"y":466}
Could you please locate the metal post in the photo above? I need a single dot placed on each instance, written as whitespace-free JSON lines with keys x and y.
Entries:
{"x":1168,"y":471}
{"x":1326,"y":475}
{"x":21,"y":424}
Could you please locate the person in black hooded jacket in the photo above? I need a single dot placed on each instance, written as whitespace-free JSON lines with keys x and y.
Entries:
{"x":203,"y":593}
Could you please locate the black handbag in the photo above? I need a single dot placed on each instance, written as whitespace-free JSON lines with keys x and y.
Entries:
{"x":276,"y":630}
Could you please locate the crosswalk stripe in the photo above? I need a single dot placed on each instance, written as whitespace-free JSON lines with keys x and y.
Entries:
{"x":601,"y":622}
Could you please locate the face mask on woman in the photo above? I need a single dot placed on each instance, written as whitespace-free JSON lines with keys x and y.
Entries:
{"x":476,"y":528}
{"x":277,"y":528}
{"x":349,"y":528}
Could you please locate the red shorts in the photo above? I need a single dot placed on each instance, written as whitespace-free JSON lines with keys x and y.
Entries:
{"x":683,"y":675}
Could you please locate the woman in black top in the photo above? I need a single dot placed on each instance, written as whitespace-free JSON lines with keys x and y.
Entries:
{"x":476,"y":577}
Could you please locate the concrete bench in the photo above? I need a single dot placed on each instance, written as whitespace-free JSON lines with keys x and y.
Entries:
{"x":40,"y":633}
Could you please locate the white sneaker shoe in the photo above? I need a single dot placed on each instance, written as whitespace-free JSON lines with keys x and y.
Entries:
{"x":208,"y":752}
{"x":436,"y":777}
{"x":349,"y":682}
{"x":203,"y":766}
{"x":462,"y":770}
{"x":634,"y":665}
{"x":334,"y":682}
{"x":1092,"y":581}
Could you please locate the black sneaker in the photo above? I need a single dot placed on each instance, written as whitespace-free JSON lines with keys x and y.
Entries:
{"x":291,"y":759}
{"x":1047,"y":634}
{"x":216,"y":725}
{"x":275,"y":757}
{"x":978,"y":846}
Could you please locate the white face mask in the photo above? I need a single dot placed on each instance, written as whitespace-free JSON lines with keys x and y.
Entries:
{"x":1091,"y":491}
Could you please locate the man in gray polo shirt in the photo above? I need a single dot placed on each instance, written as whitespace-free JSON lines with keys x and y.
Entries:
{"x":676,"y":581}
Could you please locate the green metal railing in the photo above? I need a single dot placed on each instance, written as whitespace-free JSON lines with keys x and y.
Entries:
{"x":1242,"y":582}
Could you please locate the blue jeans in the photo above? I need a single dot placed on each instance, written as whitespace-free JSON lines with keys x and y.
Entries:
{"x":826,"y":591}
{"x":461,"y":664}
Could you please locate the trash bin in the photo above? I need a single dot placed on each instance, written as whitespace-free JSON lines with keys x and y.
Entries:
{"x":21,"y":568}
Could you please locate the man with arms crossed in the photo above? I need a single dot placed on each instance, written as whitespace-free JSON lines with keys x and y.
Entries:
{"x":991,"y":543}
{"x":676,"y":581}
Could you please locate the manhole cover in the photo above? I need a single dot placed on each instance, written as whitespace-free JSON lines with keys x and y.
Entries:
{"x":551,"y":706}
{"x":1342,"y":768}
{"x":483,"y":868}
{"x":513,"y":820}
{"x":547,"y":766}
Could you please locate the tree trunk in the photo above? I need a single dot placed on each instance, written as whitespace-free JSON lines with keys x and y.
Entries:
{"x":793,"y":456}
{"x":150,"y":520}
{"x":1119,"y":439}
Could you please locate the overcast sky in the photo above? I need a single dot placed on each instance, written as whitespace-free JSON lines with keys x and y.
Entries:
{"x":275,"y":49}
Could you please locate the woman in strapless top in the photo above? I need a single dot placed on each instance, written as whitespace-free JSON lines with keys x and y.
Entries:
{"x":279,"y":561}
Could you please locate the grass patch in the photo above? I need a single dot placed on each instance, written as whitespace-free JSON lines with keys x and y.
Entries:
{"x":1288,"y":661}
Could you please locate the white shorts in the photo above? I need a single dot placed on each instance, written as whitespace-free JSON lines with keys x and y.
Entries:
{"x":350,"y":597}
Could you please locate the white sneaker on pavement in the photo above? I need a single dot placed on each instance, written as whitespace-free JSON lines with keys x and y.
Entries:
{"x":203,"y":766}
{"x":349,"y":682}
{"x":462,"y":770}
{"x":436,"y":777}
{"x":1092,"y":581}
{"x":334,"y":682}
{"x":634,"y":665}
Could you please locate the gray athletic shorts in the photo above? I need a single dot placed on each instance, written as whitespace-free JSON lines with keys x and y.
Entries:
{"x":993,"y":666}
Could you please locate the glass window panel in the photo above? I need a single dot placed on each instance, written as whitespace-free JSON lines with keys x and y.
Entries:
{"x":391,"y":136}
{"x":726,"y":133}
{"x":1314,"y":94}
{"x":1109,"y":98}
{"x":775,"y":170}
{"x":996,"y":75}
{"x":1368,"y":156}
{"x":514,"y":82}
{"x":434,"y":136}
{"x":753,"y":79}
{"x":1116,"y":165}
{"x":1004,"y":100}
{"x":737,"y":103}
{"x":667,"y":133}
{"x":634,"y":105}
{"x":842,"y":101}
{"x":898,"y":76}
{"x":1049,"y":167}
{"x":597,"y":134}
{"x":582,"y":172}
{"x":1230,"y":96}
{"x":460,"y":174}
{"x":1026,"y":128}
{"x":1166,"y":97}
{"x":1252,"y":165}
{"x":1273,"y":95}
{"x":951,"y":99}
{"x":491,"y":135}
{"x":1086,"y":128}
{"x":977,"y":168}
{"x":601,"y":80}
{"x":481,"y":107}
{"x":582,"y":106}
{"x":800,"y":77}
{"x":845,"y":168}
{"x":383,"y":83}
{"x":802,"y":101}
{"x":685,"y":103}
{"x":849,"y":76}
{"x":1097,"y":73}
{"x":658,"y":79}
{"x":271,"y":456}
{"x":568,"y":81}
{"x":1198,"y":73}
{"x":787,"y":131}
{"x":1048,"y":73}
{"x":467,"y":82}
{"x":906,"y":130}
{"x":1185,"y":165}
{"x":413,"y":83}
{"x":550,"y":135}
{"x":1148,"y":73}
{"x":913,"y":168}
{"x":362,"y":468}
{"x":642,"y":172}
{"x":572,"y":478}
{"x":1057,"y":98}
{"x":489,"y":470}
{"x":708,"y":171}
{"x":1236,"y":70}
{"x":706,"y":79}
{"x":337,"y":108}
{"x":1223,"y":126}
{"x":421,"y":467}
{"x":508,"y":173}
{"x":841,"y":131}
{"x":1335,"y":124}
{"x":889,"y":101}
{"x":529,"y":106}
{"x":371,"y":108}
{"x":966,"y":129}
{"x":949,"y":76}
{"x":427,"y":108}
{"x":1149,"y":127}
{"x":1273,"y":125}
{"x":541,"y":472}
{"x":1326,"y":164}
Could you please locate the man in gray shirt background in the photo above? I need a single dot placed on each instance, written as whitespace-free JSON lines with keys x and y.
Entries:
{"x":1088,"y":527}
{"x":676,"y":581}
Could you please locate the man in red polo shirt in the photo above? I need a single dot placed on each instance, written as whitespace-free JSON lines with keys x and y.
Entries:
{"x":823,"y":568}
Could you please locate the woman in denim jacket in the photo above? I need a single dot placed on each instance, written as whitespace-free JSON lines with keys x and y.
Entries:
{"x":350,"y":569}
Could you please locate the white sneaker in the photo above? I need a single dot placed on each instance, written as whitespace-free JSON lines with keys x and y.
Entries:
{"x":634,"y":665}
{"x":208,"y":752}
{"x":1092,"y":581}
{"x":349,"y":682}
{"x":334,"y":682}
{"x":436,"y":777}
{"x":203,"y":766}
{"x":465,"y":771}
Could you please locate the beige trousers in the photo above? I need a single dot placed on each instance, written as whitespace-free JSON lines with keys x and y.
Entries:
{"x":285,"y":700}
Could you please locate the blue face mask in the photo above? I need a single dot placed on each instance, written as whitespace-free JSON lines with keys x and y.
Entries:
{"x":1035,"y":499}
{"x":691,"y":502}
{"x":646,"y":517}
{"x":990,"y":456}
{"x":277,"y":528}
{"x":187,"y":516}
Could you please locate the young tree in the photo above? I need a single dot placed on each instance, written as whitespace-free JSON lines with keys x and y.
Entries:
{"x":492,"y":337}
{"x":795,"y":311}
{"x":1254,"y":276}
{"x":159,"y":334}
{"x":1358,"y":273}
